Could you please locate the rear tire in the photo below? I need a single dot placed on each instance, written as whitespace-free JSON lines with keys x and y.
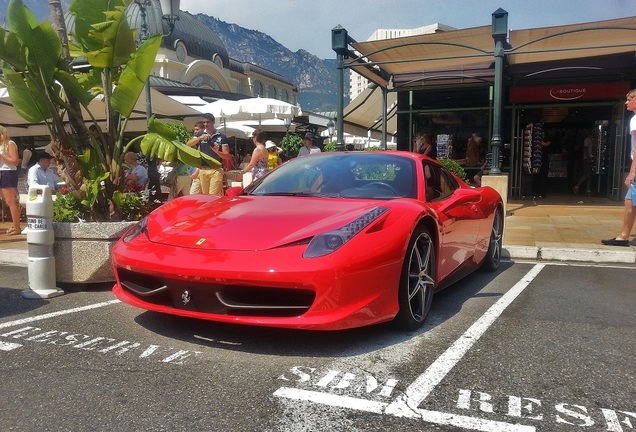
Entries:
{"x":417,"y":282}
{"x":493,"y":256}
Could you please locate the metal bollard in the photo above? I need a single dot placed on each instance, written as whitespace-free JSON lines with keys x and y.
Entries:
{"x":40,"y":239}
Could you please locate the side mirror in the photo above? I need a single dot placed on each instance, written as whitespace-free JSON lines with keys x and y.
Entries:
{"x":460,"y":197}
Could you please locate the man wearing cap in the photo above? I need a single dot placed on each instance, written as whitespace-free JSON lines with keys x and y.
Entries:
{"x":40,"y":174}
{"x":213,"y":143}
{"x":309,"y":147}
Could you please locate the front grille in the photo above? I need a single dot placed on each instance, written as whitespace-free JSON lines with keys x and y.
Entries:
{"x":234,"y":300}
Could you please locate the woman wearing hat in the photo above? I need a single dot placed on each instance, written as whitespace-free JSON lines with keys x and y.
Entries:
{"x":273,"y":160}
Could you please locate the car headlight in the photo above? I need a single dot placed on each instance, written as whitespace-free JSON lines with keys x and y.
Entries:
{"x":141,"y":227}
{"x":326,"y":243}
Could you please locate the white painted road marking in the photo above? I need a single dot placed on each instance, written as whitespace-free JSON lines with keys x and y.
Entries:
{"x":58,"y":313}
{"x":7,"y":346}
{"x":407,"y":404}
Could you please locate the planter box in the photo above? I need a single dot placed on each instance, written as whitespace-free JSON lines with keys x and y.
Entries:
{"x":83,"y":251}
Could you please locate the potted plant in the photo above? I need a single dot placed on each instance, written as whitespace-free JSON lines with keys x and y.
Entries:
{"x":44,"y":87}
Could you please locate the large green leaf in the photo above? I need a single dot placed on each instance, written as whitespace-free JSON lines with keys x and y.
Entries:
{"x":44,"y":52}
{"x":12,"y":51}
{"x":28,"y":101}
{"x":90,"y":165}
{"x":21,"y":20}
{"x":134,"y":76}
{"x":91,"y":20}
{"x":161,"y":142}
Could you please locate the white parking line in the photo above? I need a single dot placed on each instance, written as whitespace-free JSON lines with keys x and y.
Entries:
{"x":7,"y":346}
{"x":406,"y":405}
{"x":58,"y":313}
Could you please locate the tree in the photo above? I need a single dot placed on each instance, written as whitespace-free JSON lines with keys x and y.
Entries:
{"x":43,"y":87}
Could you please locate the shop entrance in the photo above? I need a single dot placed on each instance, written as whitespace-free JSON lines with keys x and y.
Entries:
{"x":567,"y":150}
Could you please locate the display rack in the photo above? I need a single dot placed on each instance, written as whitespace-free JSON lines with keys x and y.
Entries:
{"x":444,"y":146}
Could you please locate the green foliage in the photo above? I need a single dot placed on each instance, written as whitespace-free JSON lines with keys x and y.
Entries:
{"x":132,"y":206}
{"x":330,"y":146}
{"x":454,"y":167}
{"x":67,"y":208}
{"x":291,"y":144}
{"x":181,"y":131}
{"x":41,"y":84}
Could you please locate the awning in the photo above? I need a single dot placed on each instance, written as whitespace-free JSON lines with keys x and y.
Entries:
{"x":365,"y":113}
{"x":575,"y":41}
{"x":163,"y":107}
{"x":422,"y":53}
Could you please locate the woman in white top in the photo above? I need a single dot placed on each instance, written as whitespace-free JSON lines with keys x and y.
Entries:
{"x":9,"y":179}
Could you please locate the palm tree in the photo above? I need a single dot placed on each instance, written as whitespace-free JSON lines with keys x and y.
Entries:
{"x":44,"y":88}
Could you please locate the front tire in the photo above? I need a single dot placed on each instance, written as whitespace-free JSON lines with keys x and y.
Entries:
{"x":493,"y":256}
{"x":417,"y":282}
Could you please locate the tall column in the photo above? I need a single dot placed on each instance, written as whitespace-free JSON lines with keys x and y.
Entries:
{"x":339,"y":43}
{"x":499,"y":34}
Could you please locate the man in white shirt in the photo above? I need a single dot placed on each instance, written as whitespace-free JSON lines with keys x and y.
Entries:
{"x":309,"y":147}
{"x":41,"y":174}
{"x":629,"y":216}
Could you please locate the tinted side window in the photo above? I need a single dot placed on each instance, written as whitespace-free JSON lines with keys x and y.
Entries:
{"x":439,"y":183}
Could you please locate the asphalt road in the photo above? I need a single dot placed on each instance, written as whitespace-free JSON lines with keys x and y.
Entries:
{"x":534,"y":347}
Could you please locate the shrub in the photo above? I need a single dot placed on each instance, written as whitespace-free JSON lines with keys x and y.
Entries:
{"x":454,"y":167}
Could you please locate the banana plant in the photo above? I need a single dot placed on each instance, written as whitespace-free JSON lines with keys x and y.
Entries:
{"x":40,"y":85}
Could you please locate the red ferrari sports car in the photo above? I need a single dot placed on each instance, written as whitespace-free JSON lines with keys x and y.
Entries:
{"x":326,"y":241}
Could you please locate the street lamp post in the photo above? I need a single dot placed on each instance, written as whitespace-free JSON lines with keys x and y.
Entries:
{"x":287,"y":125}
{"x":331,"y":128}
{"x":499,"y":34}
{"x":170,"y":10}
{"x":340,"y":44}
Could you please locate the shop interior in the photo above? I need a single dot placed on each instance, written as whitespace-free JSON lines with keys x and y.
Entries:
{"x":553,"y":154}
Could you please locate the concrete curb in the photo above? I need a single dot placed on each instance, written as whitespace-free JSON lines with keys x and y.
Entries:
{"x":14,"y":257}
{"x":546,"y":253}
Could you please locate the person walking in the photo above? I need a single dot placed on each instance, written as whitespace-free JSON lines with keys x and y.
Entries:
{"x":9,"y":179}
{"x":587,"y":167}
{"x":425,"y":146}
{"x":629,"y":214}
{"x":260,"y":156}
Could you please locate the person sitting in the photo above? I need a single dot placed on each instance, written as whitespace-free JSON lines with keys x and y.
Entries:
{"x":41,"y":174}
{"x":136,"y":177}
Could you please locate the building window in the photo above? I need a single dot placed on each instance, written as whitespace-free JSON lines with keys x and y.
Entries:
{"x":258,"y":88}
{"x":271,"y":92}
{"x":284,"y":95}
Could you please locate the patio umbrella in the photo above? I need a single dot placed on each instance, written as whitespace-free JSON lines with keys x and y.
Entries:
{"x":264,"y":108}
{"x":222,"y":108}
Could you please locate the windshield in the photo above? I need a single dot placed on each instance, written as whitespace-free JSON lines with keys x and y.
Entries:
{"x":348,"y":175}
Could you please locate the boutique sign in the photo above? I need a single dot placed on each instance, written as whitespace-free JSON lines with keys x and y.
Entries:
{"x":569,"y":93}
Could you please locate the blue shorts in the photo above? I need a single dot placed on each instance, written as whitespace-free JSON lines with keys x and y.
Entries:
{"x":8,"y":179}
{"x":631,"y":193}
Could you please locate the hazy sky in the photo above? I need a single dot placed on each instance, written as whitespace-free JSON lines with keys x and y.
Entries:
{"x":307,"y":24}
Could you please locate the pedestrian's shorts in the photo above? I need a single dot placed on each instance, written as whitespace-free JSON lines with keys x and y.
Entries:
{"x":631,"y":193}
{"x":8,"y":179}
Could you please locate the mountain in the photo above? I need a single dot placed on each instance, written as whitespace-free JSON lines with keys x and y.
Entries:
{"x":316,"y":78}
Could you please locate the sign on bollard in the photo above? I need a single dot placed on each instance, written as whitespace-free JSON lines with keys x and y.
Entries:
{"x":40,"y":239}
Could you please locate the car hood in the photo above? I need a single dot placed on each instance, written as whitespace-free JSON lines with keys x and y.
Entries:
{"x":251,"y":222}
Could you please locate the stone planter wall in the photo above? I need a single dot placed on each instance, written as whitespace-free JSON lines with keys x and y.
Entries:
{"x":83,"y":251}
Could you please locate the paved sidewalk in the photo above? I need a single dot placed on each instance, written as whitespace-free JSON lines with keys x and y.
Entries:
{"x":564,"y":228}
